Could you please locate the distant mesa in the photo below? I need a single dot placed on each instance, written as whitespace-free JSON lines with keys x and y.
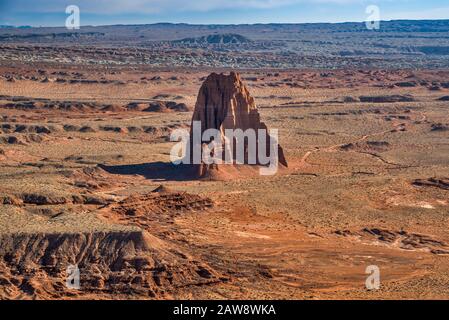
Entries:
{"x":8,"y":26}
{"x":227,"y":38}
{"x":52,"y":36}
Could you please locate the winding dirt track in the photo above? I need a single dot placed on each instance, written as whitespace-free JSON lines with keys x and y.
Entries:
{"x":396,"y":128}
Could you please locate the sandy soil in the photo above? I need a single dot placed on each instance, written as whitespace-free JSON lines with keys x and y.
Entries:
{"x":366,"y":185}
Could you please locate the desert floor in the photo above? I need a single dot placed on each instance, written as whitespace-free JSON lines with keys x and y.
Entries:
{"x":367,"y":184}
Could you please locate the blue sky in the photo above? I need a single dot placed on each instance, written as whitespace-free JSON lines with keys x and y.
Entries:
{"x":106,"y":12}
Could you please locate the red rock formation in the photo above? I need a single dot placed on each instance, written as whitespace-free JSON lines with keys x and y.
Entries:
{"x":224,"y":102}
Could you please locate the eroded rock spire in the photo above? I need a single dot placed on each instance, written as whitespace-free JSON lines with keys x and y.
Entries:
{"x":223,"y":103}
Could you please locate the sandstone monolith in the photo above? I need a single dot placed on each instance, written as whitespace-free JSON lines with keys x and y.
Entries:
{"x":224,"y":102}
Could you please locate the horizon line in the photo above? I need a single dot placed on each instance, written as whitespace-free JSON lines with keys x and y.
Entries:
{"x":211,"y":24}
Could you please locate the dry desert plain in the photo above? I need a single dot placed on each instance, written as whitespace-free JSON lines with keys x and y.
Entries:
{"x":86,"y":178}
